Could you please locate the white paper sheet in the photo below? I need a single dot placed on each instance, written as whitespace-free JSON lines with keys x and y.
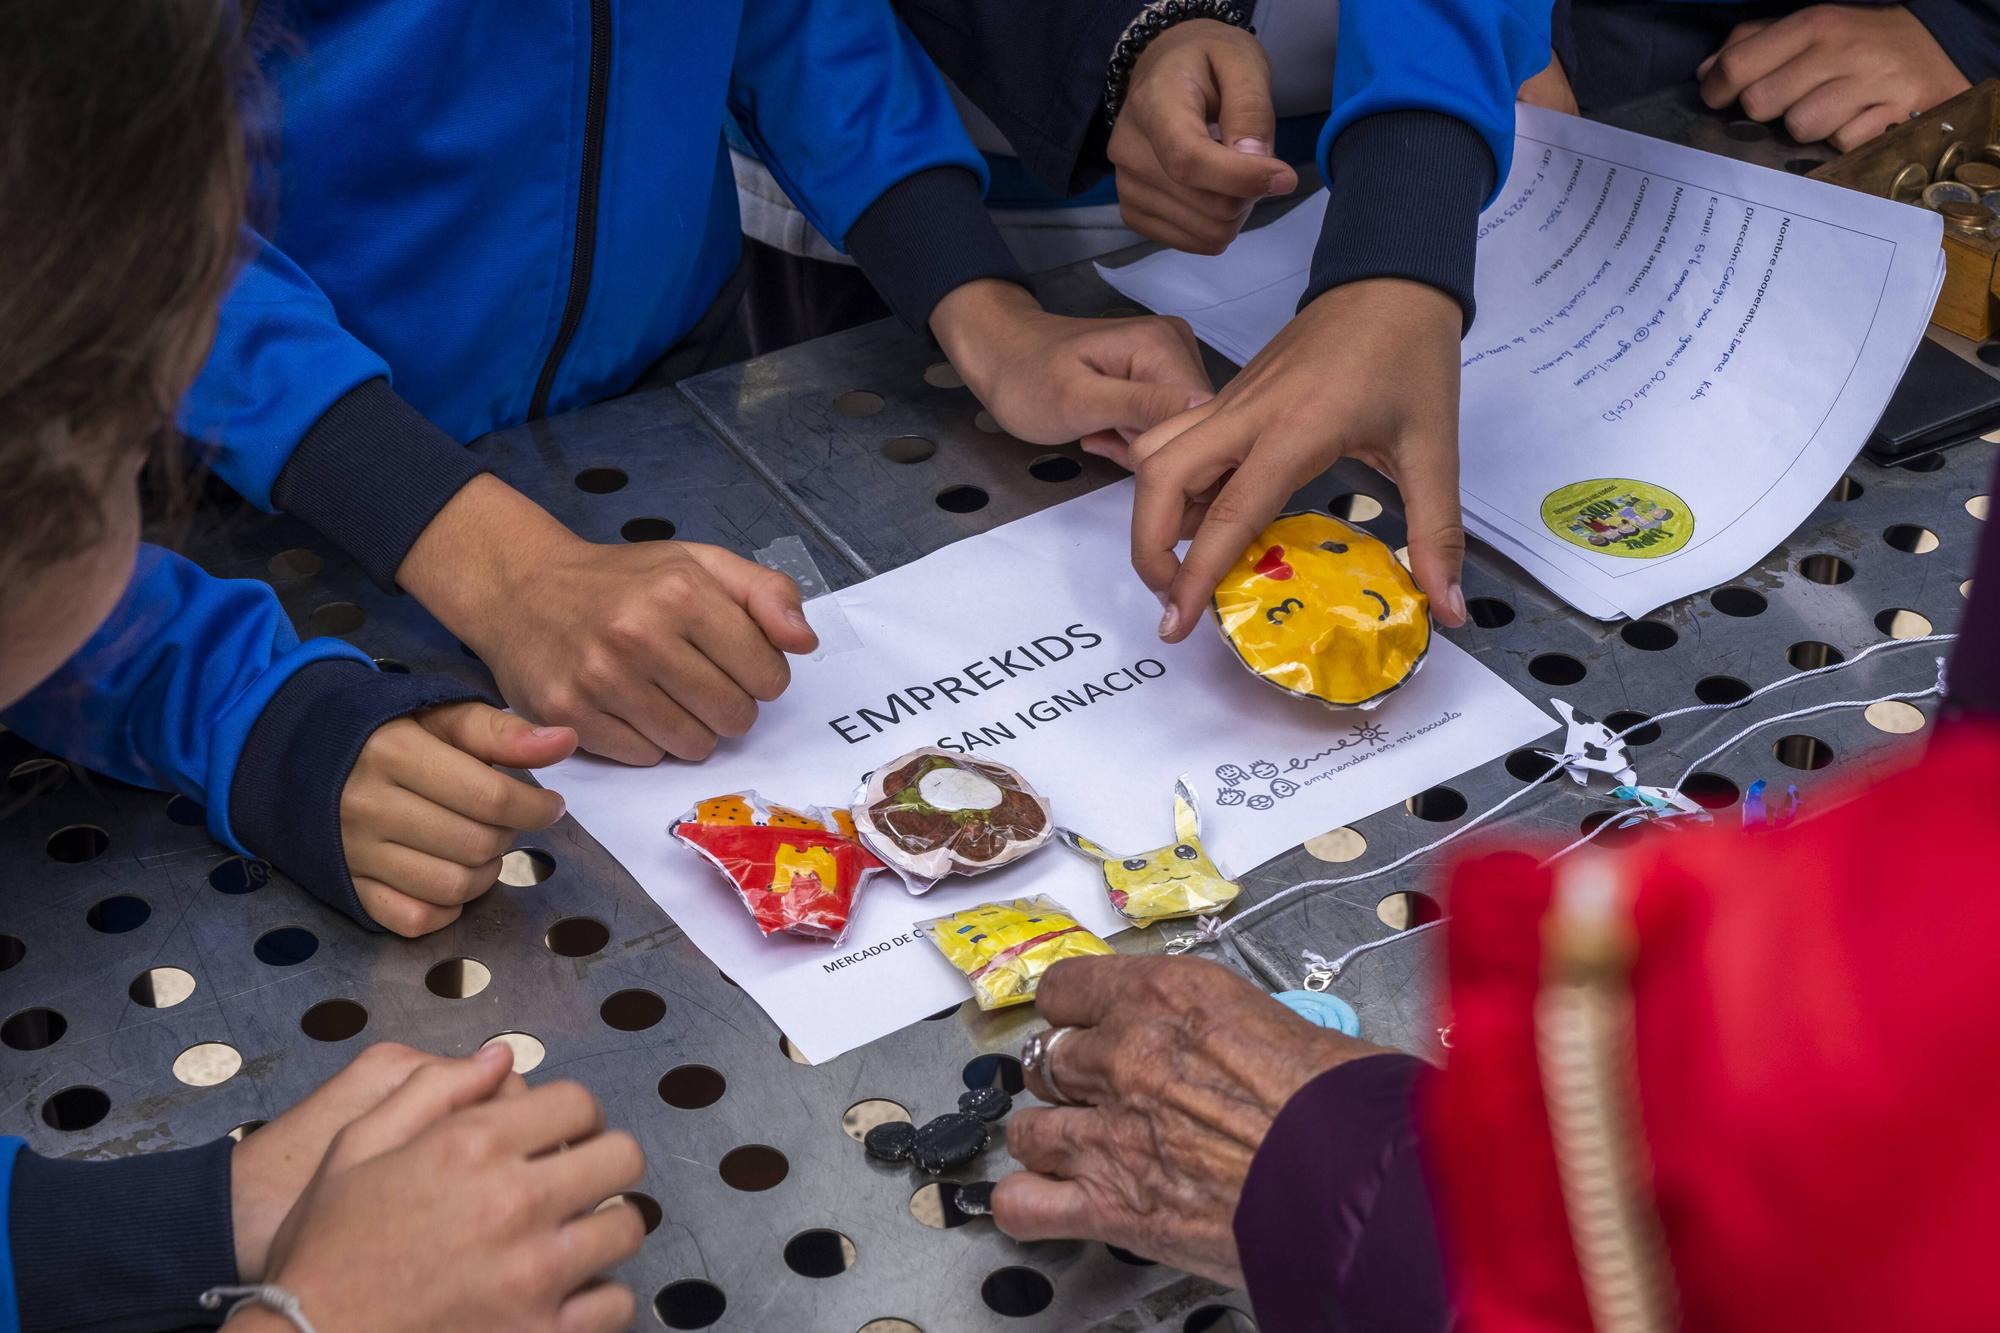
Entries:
{"x":1101,"y":726}
{"x":1710,"y":338}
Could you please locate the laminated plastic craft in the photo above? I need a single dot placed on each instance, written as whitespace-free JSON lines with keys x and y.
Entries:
{"x":1167,"y":883}
{"x":1324,"y":611}
{"x":1003,"y":948}
{"x":797,"y":871}
{"x":933,"y":813}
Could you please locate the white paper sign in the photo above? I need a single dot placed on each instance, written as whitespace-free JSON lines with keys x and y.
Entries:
{"x":1036,"y":646}
{"x":1675,"y":354}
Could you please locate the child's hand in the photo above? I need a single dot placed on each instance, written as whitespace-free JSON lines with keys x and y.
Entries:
{"x":1049,"y":379}
{"x":425,"y":819}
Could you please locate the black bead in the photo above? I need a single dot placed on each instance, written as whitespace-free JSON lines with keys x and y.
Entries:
{"x":989,"y":1104}
{"x":891,"y":1141}
{"x":974,"y":1198}
{"x":950,"y":1141}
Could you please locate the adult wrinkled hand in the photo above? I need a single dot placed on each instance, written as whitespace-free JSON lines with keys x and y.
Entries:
{"x":1367,"y":370}
{"x":1050,"y":379}
{"x":1842,"y":73}
{"x":1176,"y":184}
{"x":646,"y":649}
{"x":449,"y":1208}
{"x":1179,"y":1066}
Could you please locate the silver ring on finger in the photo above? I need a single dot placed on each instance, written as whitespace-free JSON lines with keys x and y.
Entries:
{"x":1038,"y":1057}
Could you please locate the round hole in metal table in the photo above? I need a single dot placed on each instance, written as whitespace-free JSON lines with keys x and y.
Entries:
{"x":1017,"y":1292}
{"x":1055,"y":467}
{"x":1897,"y":717}
{"x":185,"y":812}
{"x":389,"y":666}
{"x":1900,"y":622}
{"x":791,"y":1052}
{"x":161,"y":987}
{"x":1747,"y":131}
{"x":117,"y":914}
{"x":334,"y":619}
{"x":1489,"y":612}
{"x":1529,"y":766}
{"x":1556,"y":669}
{"x":645,"y":529}
{"x":1826,"y":569}
{"x":1989,"y":352}
{"x":1979,"y":506}
{"x":962,"y":499}
{"x":601,"y":480}
{"x":1337,"y":846}
{"x":527,"y":1048}
{"x":1847,"y":488}
{"x":1406,"y":908}
{"x":1802,"y":751}
{"x":819,"y":1252}
{"x":858,"y":403}
{"x":1711,"y":791}
{"x":1650,"y":636}
{"x":1721,"y":690}
{"x":33,"y":1029}
{"x":633,"y":1009}
{"x":577,"y":936}
{"x":74,"y":844}
{"x":1437,"y":804}
{"x":691,"y":1302}
{"x":994,"y":1071}
{"x":691,"y":1087}
{"x":1611,"y":837}
{"x":1811,"y":654}
{"x":76,"y":1108}
{"x":1924,"y":463}
{"x":1626,"y":720}
{"x":1354,"y":507}
{"x":525,"y":867}
{"x":1218,"y":1319}
{"x":207,"y":1064}
{"x":754,"y":1167}
{"x":984,"y":421}
{"x":944,"y":1013}
{"x":645,"y":1205}
{"x":333,"y":1020}
{"x":1801,"y":166}
{"x":12,"y":951}
{"x":936,"y":1206}
{"x":37,"y":777}
{"x":457,"y":978}
{"x":1127,"y":1257}
{"x":287,"y":946}
{"x":889,"y":1325}
{"x":908,"y":449}
{"x":1740,"y":602}
{"x":1965,"y":588}
{"x":297,"y":563}
{"x":869,"y":1112}
{"x":245,"y":1130}
{"x":1910,"y":538}
{"x":943,"y":375}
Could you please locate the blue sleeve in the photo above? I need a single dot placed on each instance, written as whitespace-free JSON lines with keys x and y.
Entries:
{"x":297,"y":415}
{"x":166,"y":692}
{"x":855,"y":123}
{"x":10,"y":1304}
{"x":1423,"y":110}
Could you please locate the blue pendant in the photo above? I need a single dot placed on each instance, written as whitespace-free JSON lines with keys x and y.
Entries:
{"x":1322,"y":1010}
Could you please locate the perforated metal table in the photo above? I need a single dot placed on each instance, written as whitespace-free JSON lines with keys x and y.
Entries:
{"x":159,"y":992}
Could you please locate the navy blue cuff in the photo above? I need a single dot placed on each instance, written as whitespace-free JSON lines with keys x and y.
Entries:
{"x":371,"y":475}
{"x":285,"y":802}
{"x":927,"y":235}
{"x":127,"y":1244}
{"x":1405,"y":191}
{"x":1968,"y":32}
{"x":1334,"y":1228}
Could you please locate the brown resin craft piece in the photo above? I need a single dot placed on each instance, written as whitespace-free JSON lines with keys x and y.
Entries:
{"x":933,"y":813}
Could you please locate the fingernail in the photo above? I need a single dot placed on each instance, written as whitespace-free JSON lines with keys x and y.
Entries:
{"x":797,"y":619}
{"x":543,"y":733}
{"x":1170,"y":621}
{"x":1455,"y":599}
{"x":1198,"y":399}
{"x":1276,"y":185}
{"x":499,"y":1053}
{"x":1254,"y":146}
{"x":562,"y":806}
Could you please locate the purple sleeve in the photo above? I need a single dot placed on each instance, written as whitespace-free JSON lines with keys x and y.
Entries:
{"x":1334,"y":1227}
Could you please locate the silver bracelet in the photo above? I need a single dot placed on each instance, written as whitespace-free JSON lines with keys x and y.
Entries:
{"x":1152,"y":20}
{"x":268,"y":1297}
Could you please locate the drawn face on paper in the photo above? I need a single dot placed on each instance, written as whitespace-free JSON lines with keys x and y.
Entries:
{"x":1321,"y":609}
{"x":1177,"y":880}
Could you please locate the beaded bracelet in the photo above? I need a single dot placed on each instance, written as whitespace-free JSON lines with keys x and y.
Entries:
{"x":1151,"y":21}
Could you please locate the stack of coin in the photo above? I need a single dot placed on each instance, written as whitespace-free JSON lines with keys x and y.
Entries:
{"x":1968,"y":219}
{"x":1981,"y":176}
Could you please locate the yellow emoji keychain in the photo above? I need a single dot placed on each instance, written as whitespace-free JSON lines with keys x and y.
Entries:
{"x":1323,"y":610}
{"x":1168,"y":882}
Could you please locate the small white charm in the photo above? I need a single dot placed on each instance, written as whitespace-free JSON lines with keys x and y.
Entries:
{"x":1590,"y":747}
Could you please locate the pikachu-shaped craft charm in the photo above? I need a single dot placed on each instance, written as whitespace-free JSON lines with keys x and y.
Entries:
{"x":1168,"y":882}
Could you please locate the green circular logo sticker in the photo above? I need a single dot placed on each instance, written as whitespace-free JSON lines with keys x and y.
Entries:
{"x":1619,"y":516}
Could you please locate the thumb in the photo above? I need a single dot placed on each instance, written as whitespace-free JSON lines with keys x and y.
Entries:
{"x":494,"y":737}
{"x":1247,"y":120}
{"x":1428,"y":479}
{"x":771,"y":599}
